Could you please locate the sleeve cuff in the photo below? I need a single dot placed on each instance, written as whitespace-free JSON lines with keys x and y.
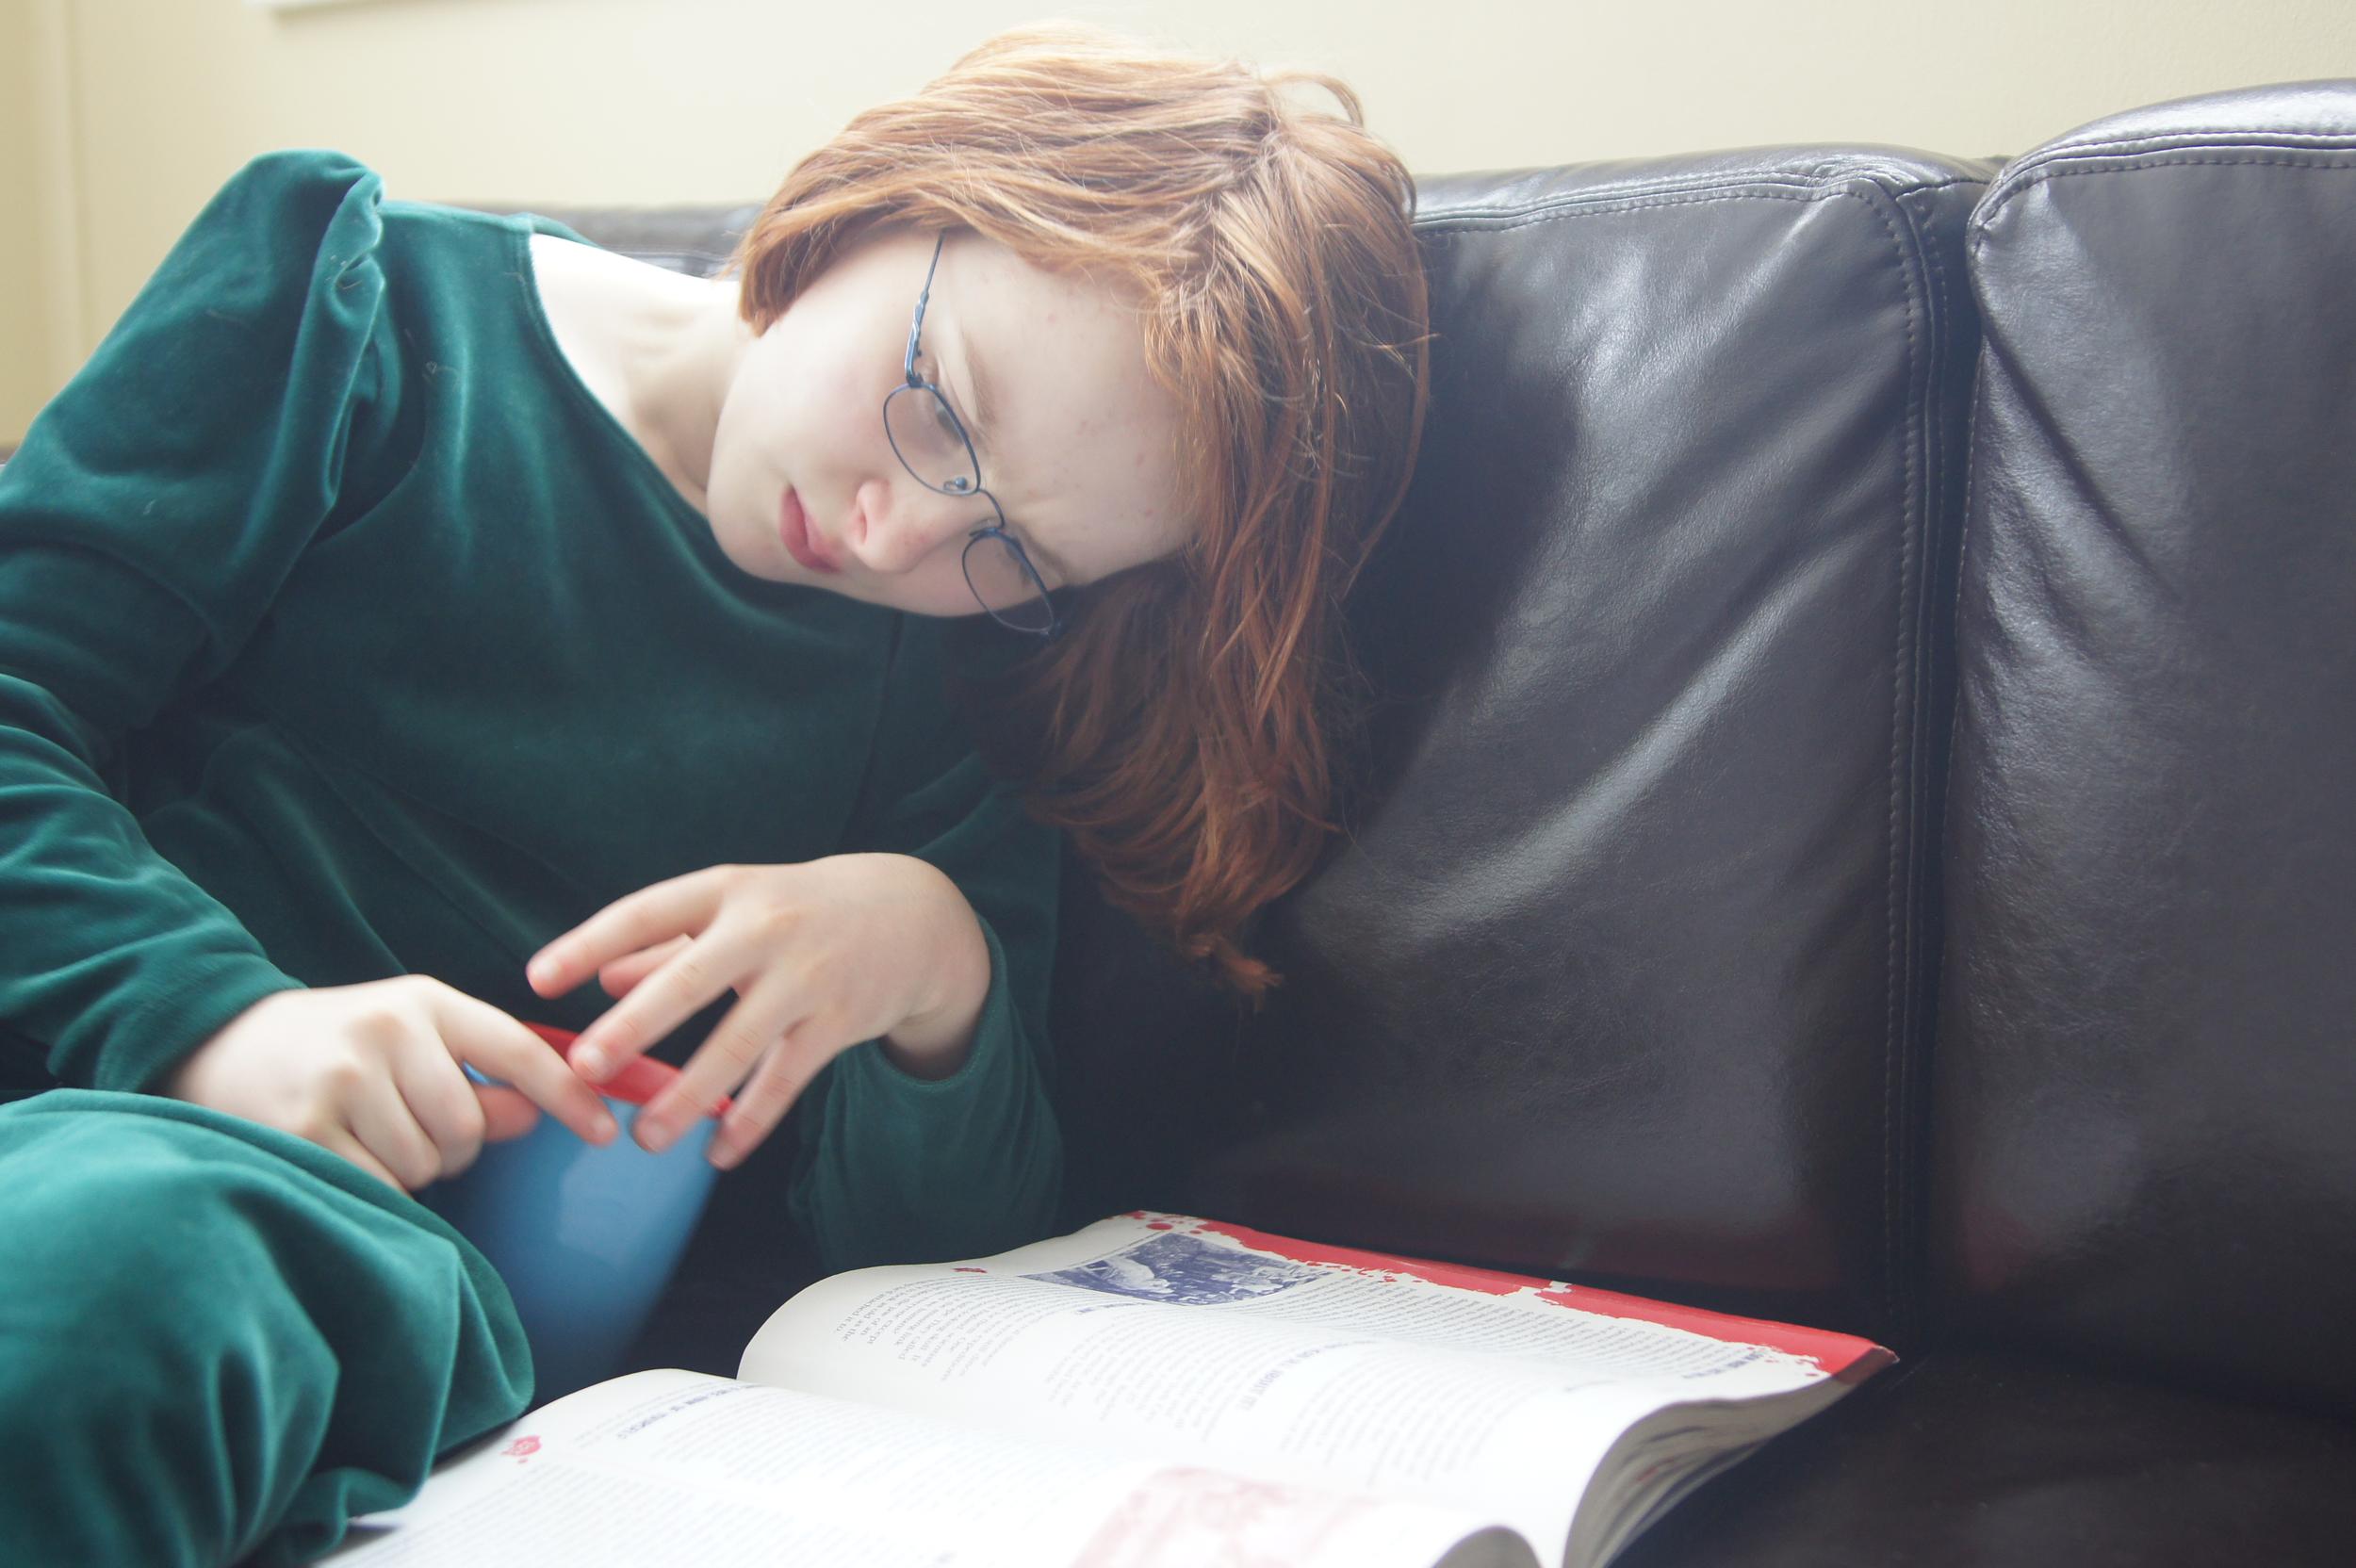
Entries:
{"x":161,"y":1032}
{"x":995,"y":1033}
{"x":905,"y":1169}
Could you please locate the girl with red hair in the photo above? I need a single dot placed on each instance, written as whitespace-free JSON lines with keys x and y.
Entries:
{"x":411,"y":616}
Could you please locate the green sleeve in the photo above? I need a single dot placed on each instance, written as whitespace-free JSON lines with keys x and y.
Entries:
{"x":895,"y":1168}
{"x":153,"y":511}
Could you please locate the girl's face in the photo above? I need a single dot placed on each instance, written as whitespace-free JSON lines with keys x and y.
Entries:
{"x":1047,"y":373}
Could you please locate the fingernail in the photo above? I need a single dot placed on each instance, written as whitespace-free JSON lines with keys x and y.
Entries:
{"x":540,"y":970}
{"x":726,"y":1156}
{"x":605,"y":1129}
{"x":590,"y":1063}
{"x":654,"y":1137}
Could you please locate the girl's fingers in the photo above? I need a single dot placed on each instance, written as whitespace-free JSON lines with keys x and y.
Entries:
{"x":622,"y":975}
{"x":505,"y":1113}
{"x":782,"y":1076}
{"x":641,"y":919}
{"x":495,"y":1045}
{"x":382,"y":1123}
{"x":686,"y":983}
{"x":724,"y":1060}
{"x":436,"y":1096}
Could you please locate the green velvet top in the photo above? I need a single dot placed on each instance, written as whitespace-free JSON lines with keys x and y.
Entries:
{"x":343,"y":634}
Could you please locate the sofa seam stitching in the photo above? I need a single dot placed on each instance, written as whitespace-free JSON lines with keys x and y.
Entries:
{"x":2001,"y":194}
{"x":1914,"y":672}
{"x":1447,"y":228}
{"x":1893,"y":1044}
{"x":1698,"y":183}
{"x":1827,"y":176}
{"x":1947,"y":285}
{"x":2161,"y":142}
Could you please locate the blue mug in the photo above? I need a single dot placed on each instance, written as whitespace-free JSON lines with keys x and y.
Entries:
{"x":585,"y":1236}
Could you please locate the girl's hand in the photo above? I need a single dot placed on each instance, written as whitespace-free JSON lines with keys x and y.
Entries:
{"x":822,"y":956}
{"x":371,"y":1072}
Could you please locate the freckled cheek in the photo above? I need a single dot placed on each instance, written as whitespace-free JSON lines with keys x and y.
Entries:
{"x":803,"y":386}
{"x":936,"y":588}
{"x":843,"y":421}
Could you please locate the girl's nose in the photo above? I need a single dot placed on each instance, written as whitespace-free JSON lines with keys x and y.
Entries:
{"x":895,"y":524}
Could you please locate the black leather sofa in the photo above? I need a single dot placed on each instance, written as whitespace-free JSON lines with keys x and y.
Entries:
{"x":1859,"y":830}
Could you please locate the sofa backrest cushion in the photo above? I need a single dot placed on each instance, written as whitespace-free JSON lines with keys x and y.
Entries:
{"x":2145,"y":1080}
{"x":1623,"y":968}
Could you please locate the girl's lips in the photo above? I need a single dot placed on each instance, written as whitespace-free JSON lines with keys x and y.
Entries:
{"x":794,"y":528}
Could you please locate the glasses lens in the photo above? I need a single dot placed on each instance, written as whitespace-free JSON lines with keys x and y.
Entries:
{"x":1002,"y":580}
{"x":930,"y":442}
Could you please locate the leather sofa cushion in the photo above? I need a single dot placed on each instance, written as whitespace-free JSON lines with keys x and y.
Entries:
{"x":2145,"y":1089}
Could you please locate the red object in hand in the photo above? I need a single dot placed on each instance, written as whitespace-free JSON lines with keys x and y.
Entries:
{"x":638,"y":1080}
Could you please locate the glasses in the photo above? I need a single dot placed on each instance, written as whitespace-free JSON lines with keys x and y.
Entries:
{"x":931,"y":444}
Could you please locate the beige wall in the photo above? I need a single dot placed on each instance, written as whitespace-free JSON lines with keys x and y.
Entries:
{"x":138,"y":108}
{"x":26,"y":293}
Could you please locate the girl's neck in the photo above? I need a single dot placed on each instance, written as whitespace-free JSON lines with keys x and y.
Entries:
{"x":659,"y":348}
{"x":679,"y":375}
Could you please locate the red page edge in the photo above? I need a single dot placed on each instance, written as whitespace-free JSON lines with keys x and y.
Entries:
{"x":1843,"y":1356}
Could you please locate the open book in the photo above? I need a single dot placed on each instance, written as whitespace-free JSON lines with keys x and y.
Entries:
{"x":1148,"y":1392}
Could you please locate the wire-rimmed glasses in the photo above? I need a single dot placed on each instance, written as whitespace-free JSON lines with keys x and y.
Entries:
{"x":932,"y":445}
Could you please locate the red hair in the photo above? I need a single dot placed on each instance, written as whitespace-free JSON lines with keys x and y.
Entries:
{"x":1183,"y":730}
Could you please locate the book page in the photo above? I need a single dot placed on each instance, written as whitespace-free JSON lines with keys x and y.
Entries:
{"x":677,"y":1467}
{"x":1168,"y":1339}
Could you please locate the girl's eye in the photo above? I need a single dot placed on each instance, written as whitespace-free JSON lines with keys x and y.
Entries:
{"x":946,"y":419}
